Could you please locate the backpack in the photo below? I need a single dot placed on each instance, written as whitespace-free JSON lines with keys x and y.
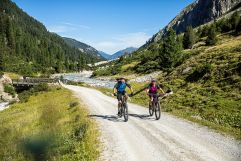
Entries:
{"x":121,"y":87}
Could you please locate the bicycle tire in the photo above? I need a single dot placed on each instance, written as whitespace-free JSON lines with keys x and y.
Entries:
{"x":125,"y":112}
{"x":151,"y":110}
{"x":158,"y":111}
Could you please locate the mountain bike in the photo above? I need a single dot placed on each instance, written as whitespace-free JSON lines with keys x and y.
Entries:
{"x":123,"y":108}
{"x":155,"y":107}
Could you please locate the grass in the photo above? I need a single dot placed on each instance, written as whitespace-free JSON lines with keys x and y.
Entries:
{"x":12,"y":75}
{"x":51,"y":125}
{"x":209,"y":91}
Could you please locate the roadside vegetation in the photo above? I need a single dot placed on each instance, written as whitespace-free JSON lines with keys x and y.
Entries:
{"x":206,"y":79}
{"x":50,"y":125}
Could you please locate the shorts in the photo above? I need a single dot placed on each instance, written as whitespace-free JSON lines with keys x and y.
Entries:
{"x":152,"y":95}
{"x":120,"y":94}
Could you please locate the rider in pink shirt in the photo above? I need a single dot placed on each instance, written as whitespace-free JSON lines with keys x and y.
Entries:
{"x":152,"y":90}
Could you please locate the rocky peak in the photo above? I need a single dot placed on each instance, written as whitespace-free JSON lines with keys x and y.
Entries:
{"x":199,"y":13}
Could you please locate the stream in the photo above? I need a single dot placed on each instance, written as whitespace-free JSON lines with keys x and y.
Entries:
{"x":85,"y":77}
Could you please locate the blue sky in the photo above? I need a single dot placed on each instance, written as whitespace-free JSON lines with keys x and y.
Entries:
{"x":107,"y":25}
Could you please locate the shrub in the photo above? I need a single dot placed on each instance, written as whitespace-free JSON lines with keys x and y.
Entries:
{"x":41,"y":87}
{"x":212,"y":36}
{"x":1,"y":74}
{"x":24,"y":96}
{"x":199,"y":73}
{"x":10,"y":89}
{"x":73,"y":104}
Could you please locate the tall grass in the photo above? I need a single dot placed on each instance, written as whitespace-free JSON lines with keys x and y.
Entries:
{"x":50,"y":126}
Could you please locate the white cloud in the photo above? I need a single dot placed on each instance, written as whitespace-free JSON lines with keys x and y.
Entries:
{"x":59,"y":29}
{"x":65,"y":27}
{"x":120,"y":42}
{"x":76,"y":25}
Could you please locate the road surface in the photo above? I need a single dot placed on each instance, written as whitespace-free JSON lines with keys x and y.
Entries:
{"x":143,"y":138}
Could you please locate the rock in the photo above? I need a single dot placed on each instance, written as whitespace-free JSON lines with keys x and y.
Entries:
{"x":197,"y":117}
{"x":185,"y":71}
{"x":146,"y":78}
{"x":198,"y":13}
{"x":5,"y":96}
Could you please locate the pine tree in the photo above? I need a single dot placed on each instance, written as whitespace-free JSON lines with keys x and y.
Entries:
{"x":81,"y":63}
{"x":171,"y":51}
{"x":10,"y":34}
{"x":212,"y":36}
{"x":238,"y":29}
{"x":1,"y":54}
{"x":189,"y":38}
{"x":235,"y":18}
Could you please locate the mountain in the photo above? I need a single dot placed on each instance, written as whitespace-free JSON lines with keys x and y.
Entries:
{"x":122,"y":52}
{"x":28,"y":48}
{"x":198,"y":13}
{"x":105,"y":55}
{"x":84,"y":48}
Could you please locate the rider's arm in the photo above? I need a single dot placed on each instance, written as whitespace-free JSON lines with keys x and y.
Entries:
{"x":114,"y":89}
{"x":147,"y":91}
{"x":161,"y":89}
{"x":129,"y":86}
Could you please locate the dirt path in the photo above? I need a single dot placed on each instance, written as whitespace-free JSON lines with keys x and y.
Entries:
{"x":143,"y":138}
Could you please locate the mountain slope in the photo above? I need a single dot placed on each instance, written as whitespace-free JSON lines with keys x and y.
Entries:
{"x":27,"y":47}
{"x":83,"y":48}
{"x":198,"y":13}
{"x":122,"y":52}
{"x":105,"y":55}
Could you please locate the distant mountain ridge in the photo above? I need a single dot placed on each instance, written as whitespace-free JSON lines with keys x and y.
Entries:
{"x":27,"y":47}
{"x":105,"y":55}
{"x":84,"y":48}
{"x":198,"y":13}
{"x":120,"y":53}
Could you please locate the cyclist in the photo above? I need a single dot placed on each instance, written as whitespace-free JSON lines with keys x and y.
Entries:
{"x":120,"y":88}
{"x":152,"y":90}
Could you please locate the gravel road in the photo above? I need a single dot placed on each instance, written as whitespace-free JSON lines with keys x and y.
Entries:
{"x":143,"y":138}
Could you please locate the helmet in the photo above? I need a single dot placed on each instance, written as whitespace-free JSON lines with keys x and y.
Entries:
{"x":153,"y":80}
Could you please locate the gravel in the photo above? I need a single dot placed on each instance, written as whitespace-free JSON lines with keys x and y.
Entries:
{"x":143,"y":138}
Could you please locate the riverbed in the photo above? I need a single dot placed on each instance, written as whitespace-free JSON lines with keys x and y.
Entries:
{"x":3,"y":105}
{"x":86,"y":78}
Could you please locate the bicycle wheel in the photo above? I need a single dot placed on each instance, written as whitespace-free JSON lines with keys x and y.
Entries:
{"x":157,"y":111}
{"x":125,"y":112}
{"x":120,"y":111}
{"x":151,"y":111}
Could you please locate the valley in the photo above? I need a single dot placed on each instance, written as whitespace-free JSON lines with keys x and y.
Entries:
{"x":197,"y":56}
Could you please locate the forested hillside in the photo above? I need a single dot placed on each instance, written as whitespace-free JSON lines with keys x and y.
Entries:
{"x":27,"y":47}
{"x":84,"y":48}
{"x":171,"y":51}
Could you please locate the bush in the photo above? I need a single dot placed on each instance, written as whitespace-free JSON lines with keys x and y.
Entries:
{"x":212,"y":36}
{"x":24,"y":96}
{"x":199,"y":73}
{"x":41,"y":87}
{"x":1,"y":74}
{"x":10,"y":89}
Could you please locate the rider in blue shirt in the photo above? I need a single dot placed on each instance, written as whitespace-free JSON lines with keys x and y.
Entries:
{"x":120,"y":87}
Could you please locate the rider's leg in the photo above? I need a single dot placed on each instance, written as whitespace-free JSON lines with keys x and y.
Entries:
{"x":126,"y":96}
{"x":119,"y":95}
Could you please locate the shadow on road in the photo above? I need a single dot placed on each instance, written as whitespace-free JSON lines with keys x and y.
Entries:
{"x":108,"y":117}
{"x":143,"y":117}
